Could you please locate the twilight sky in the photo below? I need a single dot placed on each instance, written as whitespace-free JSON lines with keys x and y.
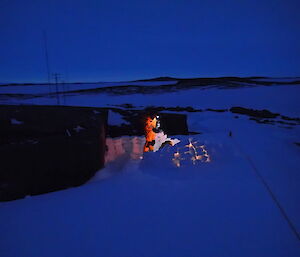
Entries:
{"x":113,"y":40}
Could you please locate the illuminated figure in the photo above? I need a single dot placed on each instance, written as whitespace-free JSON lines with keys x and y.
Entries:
{"x":150,"y":134}
{"x":155,"y":137}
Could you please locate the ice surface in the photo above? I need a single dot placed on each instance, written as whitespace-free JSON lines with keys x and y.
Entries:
{"x":280,"y":99}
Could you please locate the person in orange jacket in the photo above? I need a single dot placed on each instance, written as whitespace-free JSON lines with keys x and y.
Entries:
{"x":150,"y":134}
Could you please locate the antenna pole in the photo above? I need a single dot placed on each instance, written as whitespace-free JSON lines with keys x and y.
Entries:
{"x":57,"y":76}
{"x":47,"y":58}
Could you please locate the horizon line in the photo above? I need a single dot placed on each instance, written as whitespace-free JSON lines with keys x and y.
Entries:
{"x":160,"y":78}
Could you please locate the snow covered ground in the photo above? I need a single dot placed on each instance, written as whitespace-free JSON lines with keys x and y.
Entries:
{"x":244,"y":202}
{"x":283,"y":99}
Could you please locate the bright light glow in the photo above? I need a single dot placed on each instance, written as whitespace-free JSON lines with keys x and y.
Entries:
{"x":156,"y":140}
{"x":194,"y":153}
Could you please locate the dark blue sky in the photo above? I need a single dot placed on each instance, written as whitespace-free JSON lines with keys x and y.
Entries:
{"x":112,"y":40}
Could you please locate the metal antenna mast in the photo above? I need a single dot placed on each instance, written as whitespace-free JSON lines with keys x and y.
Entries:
{"x":47,"y":58}
{"x":57,"y":76}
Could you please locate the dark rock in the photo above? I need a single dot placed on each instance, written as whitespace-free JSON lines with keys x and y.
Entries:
{"x":216,"y":110}
{"x":254,"y":113}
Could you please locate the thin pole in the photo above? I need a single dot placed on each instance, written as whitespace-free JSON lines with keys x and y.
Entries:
{"x":47,"y":58}
{"x":56,"y":77}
